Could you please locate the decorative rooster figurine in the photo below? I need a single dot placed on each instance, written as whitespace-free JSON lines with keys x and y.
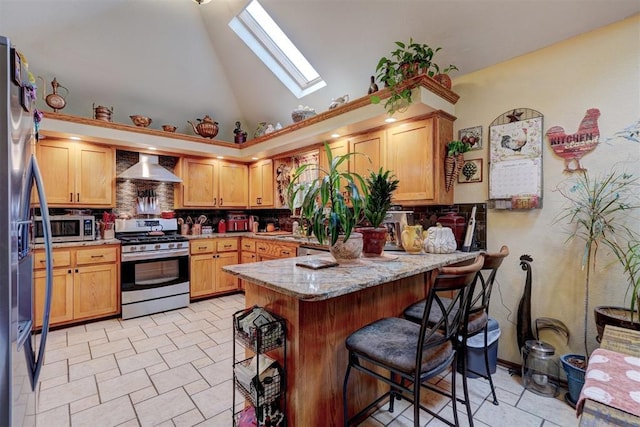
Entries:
{"x":573,"y":146}
{"x":524,"y":330}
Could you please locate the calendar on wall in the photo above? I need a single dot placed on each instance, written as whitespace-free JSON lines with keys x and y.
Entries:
{"x":515,"y":160}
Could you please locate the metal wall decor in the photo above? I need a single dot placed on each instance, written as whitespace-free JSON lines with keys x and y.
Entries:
{"x":571,"y":147}
{"x":515,"y":160}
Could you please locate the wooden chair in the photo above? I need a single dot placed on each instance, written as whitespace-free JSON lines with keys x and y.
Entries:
{"x":478,"y":320}
{"x":414,"y":353}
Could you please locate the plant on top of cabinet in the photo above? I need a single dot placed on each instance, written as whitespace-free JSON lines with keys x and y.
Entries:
{"x":407,"y":61}
{"x":324,"y":203}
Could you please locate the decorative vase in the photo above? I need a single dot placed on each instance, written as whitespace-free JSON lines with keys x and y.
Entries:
{"x":374,"y":240}
{"x":412,"y":238}
{"x":575,"y":376}
{"x":616,"y":316}
{"x":443,"y":79}
{"x":349,"y":251}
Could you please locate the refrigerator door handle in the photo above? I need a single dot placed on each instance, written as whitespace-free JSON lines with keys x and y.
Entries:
{"x":34,"y":176}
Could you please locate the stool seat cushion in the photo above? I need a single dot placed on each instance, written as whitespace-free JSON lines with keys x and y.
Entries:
{"x":393,"y":342}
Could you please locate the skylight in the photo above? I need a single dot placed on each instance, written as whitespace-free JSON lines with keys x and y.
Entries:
{"x":265,"y":38}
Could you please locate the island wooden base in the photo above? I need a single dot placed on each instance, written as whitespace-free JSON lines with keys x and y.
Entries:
{"x":316,"y":353}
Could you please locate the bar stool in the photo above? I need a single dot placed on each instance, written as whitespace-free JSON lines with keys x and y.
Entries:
{"x":478,"y":319}
{"x":413,"y":353}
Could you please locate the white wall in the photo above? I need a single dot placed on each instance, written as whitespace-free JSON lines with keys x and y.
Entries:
{"x":600,"y":69}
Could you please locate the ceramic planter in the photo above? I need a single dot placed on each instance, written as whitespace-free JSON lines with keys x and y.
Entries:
{"x":616,"y":316}
{"x":349,"y":251}
{"x":374,"y":240}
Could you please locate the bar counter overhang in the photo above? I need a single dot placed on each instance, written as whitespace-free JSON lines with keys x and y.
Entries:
{"x":322,"y":307}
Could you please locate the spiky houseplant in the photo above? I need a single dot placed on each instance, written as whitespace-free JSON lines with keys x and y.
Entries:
{"x":325,"y":200}
{"x":380,"y":187}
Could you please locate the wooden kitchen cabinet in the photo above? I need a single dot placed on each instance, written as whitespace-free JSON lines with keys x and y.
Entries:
{"x":369,"y":147}
{"x":261,"y":184}
{"x":77,"y":173}
{"x":210,"y":183}
{"x":338,"y":148}
{"x":234,"y":182}
{"x":414,"y":151}
{"x":86,"y":284}
{"x":208,"y":256}
{"x":267,"y":250}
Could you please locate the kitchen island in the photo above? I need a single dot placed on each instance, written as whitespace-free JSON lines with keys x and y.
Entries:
{"x":321,"y":308}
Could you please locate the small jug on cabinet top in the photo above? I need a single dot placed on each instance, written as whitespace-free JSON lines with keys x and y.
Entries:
{"x":412,"y":238}
{"x":54,"y":99}
{"x":206,"y":127}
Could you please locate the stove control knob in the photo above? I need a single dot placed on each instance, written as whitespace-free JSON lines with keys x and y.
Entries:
{"x":171,"y":245}
{"x":142,"y":248}
{"x":158,"y":246}
{"x":132,"y":248}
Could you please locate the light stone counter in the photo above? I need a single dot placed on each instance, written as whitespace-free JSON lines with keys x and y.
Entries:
{"x":81,"y":244}
{"x":285,"y":277}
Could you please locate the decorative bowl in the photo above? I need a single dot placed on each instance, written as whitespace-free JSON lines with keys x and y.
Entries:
{"x":298,"y":114}
{"x":140,"y":121}
{"x":169,"y":128}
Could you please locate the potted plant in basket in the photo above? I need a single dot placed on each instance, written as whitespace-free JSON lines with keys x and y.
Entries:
{"x":324,"y":205}
{"x":454,"y":161}
{"x":599,"y":209}
{"x":380,"y":188}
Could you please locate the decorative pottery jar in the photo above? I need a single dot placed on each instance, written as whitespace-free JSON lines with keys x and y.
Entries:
{"x":102,"y":113}
{"x":439,"y":240}
{"x":412,"y":238}
{"x":302,"y":113}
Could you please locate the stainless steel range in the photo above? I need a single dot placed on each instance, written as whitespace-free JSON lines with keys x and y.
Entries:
{"x":154,"y":266}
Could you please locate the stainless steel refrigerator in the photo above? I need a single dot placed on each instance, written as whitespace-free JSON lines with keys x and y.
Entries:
{"x":21,"y":350}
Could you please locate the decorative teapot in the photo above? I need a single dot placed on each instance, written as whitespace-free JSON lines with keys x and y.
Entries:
{"x":412,"y":238}
{"x":54,"y":99}
{"x":207,"y":128}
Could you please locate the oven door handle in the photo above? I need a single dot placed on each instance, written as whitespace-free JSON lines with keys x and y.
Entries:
{"x":142,"y":256}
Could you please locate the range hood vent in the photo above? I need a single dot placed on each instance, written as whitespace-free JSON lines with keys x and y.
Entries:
{"x":149,"y":169}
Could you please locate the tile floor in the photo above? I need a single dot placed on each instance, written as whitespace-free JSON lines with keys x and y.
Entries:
{"x":174,"y":369}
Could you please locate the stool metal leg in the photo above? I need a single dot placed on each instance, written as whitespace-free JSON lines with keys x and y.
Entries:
{"x":486,"y":365}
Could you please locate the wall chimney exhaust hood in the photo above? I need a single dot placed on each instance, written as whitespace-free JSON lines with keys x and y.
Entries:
{"x":149,"y":169}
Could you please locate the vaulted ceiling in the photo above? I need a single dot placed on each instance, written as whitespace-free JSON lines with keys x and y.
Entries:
{"x":174,"y":60}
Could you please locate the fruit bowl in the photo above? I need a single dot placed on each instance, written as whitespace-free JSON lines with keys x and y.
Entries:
{"x":140,"y":121}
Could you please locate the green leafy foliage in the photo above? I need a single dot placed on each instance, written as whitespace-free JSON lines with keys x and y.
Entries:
{"x":381,"y":185}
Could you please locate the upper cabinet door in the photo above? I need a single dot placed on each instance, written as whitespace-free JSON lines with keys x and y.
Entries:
{"x":233,"y":185}
{"x":77,"y":173}
{"x":367,"y":157}
{"x":338,"y":148}
{"x":57,"y":165}
{"x":200,"y":183}
{"x":95,"y":170}
{"x":261,"y":184}
{"x":409,"y":153}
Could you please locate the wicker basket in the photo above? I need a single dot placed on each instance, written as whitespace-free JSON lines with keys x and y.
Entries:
{"x":298,"y":115}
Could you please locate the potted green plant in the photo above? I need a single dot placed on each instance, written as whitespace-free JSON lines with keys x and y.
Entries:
{"x":453,"y":161}
{"x":324,"y":205}
{"x":598,"y":208}
{"x":406,"y":61}
{"x":380,"y":188}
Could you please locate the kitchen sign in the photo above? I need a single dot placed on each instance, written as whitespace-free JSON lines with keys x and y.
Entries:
{"x":571,"y":147}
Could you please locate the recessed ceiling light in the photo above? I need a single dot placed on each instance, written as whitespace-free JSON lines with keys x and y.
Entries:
{"x":255,"y":158}
{"x":335,"y":135}
{"x":220,"y":157}
{"x":390,"y":120}
{"x":152,"y":148}
{"x":75,"y":138}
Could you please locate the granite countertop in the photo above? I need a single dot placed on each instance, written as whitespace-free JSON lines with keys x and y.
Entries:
{"x":315,"y":285}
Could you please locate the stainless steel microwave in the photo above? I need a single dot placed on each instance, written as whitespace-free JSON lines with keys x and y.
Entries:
{"x":66,"y":228}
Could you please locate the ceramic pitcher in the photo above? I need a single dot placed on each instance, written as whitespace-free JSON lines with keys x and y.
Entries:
{"x":412,"y":238}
